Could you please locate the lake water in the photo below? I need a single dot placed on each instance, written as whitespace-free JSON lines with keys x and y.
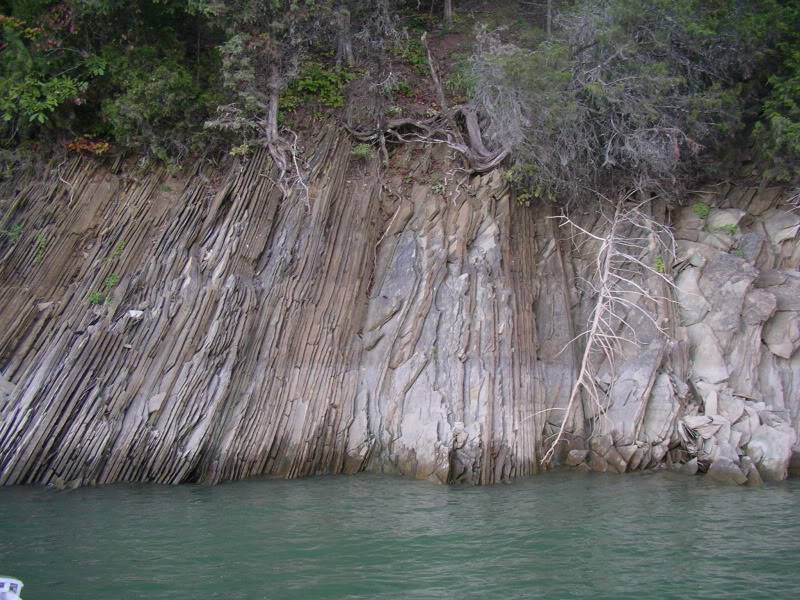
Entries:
{"x":556,"y":536}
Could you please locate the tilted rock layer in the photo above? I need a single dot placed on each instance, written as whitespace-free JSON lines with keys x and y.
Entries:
{"x":207,"y":327}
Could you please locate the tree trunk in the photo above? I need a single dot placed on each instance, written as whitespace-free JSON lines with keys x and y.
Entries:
{"x":272,"y":108}
{"x":549,"y":17}
{"x":344,"y":52}
{"x":448,"y":13}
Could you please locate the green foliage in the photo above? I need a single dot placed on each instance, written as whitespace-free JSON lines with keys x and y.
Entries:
{"x":99,"y":297}
{"x":13,"y":233}
{"x":626,"y":94}
{"x":132,"y":72}
{"x":701,"y":209}
{"x":629,"y":91}
{"x":154,"y":101}
{"x":460,"y":83}
{"x":316,"y":84}
{"x":31,"y":101}
{"x":110,"y":282}
{"x":730,"y":229}
{"x":402,"y":88}
{"x":658,"y":264}
{"x":413,"y":52}
{"x":240,"y":150}
{"x":362,"y":151}
{"x":118,"y":249}
{"x":40,"y":247}
{"x":777,"y":133}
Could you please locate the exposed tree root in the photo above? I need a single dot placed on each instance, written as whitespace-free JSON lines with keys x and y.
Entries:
{"x":438,"y":131}
{"x":458,"y":128}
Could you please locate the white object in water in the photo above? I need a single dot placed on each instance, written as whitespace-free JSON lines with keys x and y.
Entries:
{"x":10,"y":588}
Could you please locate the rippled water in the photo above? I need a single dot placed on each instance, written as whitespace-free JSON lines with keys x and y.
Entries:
{"x":555,"y":536}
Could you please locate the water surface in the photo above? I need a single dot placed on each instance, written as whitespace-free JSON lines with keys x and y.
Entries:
{"x":556,"y":536}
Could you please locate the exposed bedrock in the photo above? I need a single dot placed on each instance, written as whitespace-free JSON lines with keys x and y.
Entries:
{"x":205,"y":327}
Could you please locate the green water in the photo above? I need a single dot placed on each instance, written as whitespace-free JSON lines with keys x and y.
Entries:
{"x":556,"y":536}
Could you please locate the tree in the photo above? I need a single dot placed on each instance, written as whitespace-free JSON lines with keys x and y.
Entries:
{"x":267,"y":41}
{"x":625,"y":93}
{"x":344,"y":38}
{"x":448,"y":13}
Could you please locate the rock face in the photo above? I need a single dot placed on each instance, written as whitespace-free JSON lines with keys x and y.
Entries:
{"x":206,"y":327}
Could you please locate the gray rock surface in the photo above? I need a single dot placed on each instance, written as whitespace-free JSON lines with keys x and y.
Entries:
{"x":408,"y":321}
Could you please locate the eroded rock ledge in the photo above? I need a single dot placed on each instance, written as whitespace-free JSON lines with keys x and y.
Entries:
{"x":205,"y":327}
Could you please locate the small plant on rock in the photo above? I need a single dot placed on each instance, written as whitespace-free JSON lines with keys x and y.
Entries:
{"x":362,"y":151}
{"x":41,"y":246}
{"x":658,"y":265}
{"x":701,"y":209}
{"x":14,"y":233}
{"x":119,"y":248}
{"x":96,"y":298}
{"x":730,"y":229}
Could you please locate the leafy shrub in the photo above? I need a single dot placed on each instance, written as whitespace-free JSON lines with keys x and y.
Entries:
{"x":14,"y":233}
{"x":132,"y":72}
{"x":413,"y":52}
{"x":154,"y":102}
{"x":118,"y":249}
{"x":401,"y":87}
{"x":362,"y":151}
{"x":778,"y":132}
{"x":460,"y":83}
{"x":626,"y":94}
{"x":316,"y":84}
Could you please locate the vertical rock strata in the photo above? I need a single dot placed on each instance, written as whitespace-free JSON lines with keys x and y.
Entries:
{"x":206,"y":327}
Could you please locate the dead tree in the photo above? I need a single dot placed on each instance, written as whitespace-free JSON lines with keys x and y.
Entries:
{"x":620,"y":259}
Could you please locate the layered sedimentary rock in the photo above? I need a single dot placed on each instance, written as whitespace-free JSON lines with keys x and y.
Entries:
{"x":207,"y":326}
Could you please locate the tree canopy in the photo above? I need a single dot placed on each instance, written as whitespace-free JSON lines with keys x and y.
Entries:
{"x":606,"y":92}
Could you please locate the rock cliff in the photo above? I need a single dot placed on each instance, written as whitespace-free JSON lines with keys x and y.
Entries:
{"x":412,"y":320}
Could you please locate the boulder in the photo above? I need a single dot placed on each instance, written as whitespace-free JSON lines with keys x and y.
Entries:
{"x":597,"y":463}
{"x":709,"y":360}
{"x":724,"y":217}
{"x":615,"y":461}
{"x":770,"y":448}
{"x":781,"y":225}
{"x":576,"y":457}
{"x":725,"y":470}
{"x":751,"y":472}
{"x":731,"y":407}
{"x":781,"y":333}
{"x":688,"y":468}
